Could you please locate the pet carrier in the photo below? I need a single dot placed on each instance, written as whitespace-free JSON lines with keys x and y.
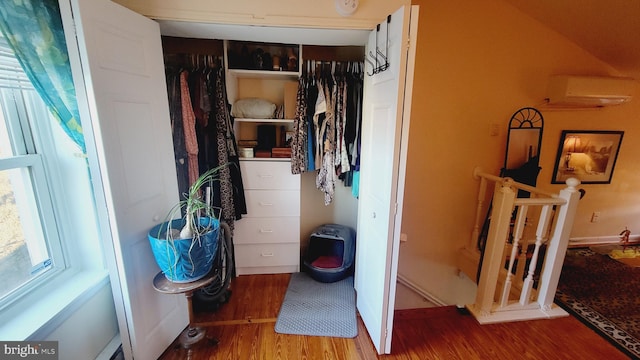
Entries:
{"x":331,"y":253}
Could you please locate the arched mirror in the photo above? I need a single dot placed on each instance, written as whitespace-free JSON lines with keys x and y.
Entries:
{"x":521,"y":159}
{"x":522,"y":154}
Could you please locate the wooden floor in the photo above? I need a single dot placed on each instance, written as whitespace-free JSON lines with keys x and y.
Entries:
{"x":245,"y":330}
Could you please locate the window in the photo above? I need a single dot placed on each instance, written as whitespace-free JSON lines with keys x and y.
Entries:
{"x":51,"y":256}
{"x":30,"y":247}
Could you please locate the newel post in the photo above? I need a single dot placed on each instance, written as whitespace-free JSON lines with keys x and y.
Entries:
{"x":558,"y":244}
{"x":503,"y":202}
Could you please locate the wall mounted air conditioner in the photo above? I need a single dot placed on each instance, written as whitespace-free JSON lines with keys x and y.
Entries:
{"x":589,"y":91}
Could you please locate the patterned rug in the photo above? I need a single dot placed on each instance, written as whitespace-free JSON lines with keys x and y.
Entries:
{"x":605,"y":295}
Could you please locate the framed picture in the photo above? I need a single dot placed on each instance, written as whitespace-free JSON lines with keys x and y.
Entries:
{"x":589,"y":156}
{"x":288,"y":138}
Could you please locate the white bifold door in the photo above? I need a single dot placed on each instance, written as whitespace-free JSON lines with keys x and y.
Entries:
{"x":384,"y":134}
{"x":126,"y":121}
{"x":125,"y":116}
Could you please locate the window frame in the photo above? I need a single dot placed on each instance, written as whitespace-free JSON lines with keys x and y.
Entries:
{"x":53,"y":162}
{"x":20,"y":131}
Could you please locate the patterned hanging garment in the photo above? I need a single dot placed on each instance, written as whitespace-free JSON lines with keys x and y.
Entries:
{"x":326,"y":179}
{"x":189,"y":125}
{"x":222,"y":123}
{"x":300,"y":128}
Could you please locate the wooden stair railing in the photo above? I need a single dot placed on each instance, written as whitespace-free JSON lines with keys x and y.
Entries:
{"x":512,"y":286}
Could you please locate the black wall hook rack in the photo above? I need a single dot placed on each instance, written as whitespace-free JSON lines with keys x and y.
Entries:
{"x":380,"y":61}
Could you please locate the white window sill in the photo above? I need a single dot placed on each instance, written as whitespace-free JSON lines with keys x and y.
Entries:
{"x":34,"y":319}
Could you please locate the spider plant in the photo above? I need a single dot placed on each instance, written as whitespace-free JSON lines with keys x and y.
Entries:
{"x":195,"y":206}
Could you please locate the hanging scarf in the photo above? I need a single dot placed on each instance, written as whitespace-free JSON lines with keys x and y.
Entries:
{"x":33,"y":29}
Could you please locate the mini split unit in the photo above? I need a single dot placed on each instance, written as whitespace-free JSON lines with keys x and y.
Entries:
{"x":589,"y":91}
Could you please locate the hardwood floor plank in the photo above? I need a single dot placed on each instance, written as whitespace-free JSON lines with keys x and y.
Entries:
{"x":245,"y":330}
{"x":253,"y":297}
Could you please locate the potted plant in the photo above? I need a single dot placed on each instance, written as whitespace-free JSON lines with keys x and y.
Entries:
{"x":185,"y":244}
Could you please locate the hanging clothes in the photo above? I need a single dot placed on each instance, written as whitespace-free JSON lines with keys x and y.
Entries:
{"x":300,"y":128}
{"x":177,"y":130}
{"x":326,"y":178}
{"x":227,"y":154}
{"x":319,"y":124}
{"x":203,"y":134}
{"x":353,"y":131}
{"x":188,"y":124}
{"x":342,"y":154}
{"x":326,"y":138}
{"x":312,"y":96}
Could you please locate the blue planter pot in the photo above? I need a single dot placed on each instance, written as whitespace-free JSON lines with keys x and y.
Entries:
{"x":185,"y":260}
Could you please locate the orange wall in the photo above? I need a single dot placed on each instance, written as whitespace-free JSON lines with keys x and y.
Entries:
{"x":477,"y":63}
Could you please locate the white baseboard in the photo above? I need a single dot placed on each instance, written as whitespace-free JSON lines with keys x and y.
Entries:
{"x":420,"y":291}
{"x":600,"y":240}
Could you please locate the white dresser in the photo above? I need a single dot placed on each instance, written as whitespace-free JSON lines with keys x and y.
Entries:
{"x":267,"y":239}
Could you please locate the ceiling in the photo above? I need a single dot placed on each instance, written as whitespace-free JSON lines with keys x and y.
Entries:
{"x":610,"y":30}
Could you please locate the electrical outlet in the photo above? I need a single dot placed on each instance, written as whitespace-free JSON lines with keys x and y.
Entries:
{"x":595,"y":216}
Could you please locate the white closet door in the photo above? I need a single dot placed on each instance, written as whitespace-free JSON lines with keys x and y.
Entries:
{"x":126,"y":96}
{"x":377,"y":241}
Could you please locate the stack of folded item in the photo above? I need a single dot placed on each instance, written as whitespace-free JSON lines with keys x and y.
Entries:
{"x":281,"y":152}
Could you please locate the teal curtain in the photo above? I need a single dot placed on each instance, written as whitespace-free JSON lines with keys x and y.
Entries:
{"x":33,"y":29}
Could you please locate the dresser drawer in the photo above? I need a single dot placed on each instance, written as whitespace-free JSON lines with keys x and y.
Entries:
{"x":262,"y":255}
{"x":272,"y":203}
{"x":262,"y":175}
{"x":266,"y":230}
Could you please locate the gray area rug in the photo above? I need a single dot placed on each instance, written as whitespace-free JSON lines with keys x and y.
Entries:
{"x":318,"y":309}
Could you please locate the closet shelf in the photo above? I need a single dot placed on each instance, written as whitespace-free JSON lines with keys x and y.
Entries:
{"x":284,"y":121}
{"x":264,"y":74}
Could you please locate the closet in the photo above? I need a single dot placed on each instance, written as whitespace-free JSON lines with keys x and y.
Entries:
{"x":283,"y":200}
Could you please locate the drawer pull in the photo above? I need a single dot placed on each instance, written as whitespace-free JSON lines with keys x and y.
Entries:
{"x":265,"y":204}
{"x":266,"y":231}
{"x":266,"y":254}
{"x":265,"y":176}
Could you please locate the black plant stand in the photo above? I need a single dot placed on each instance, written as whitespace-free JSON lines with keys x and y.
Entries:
{"x":192,"y":334}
